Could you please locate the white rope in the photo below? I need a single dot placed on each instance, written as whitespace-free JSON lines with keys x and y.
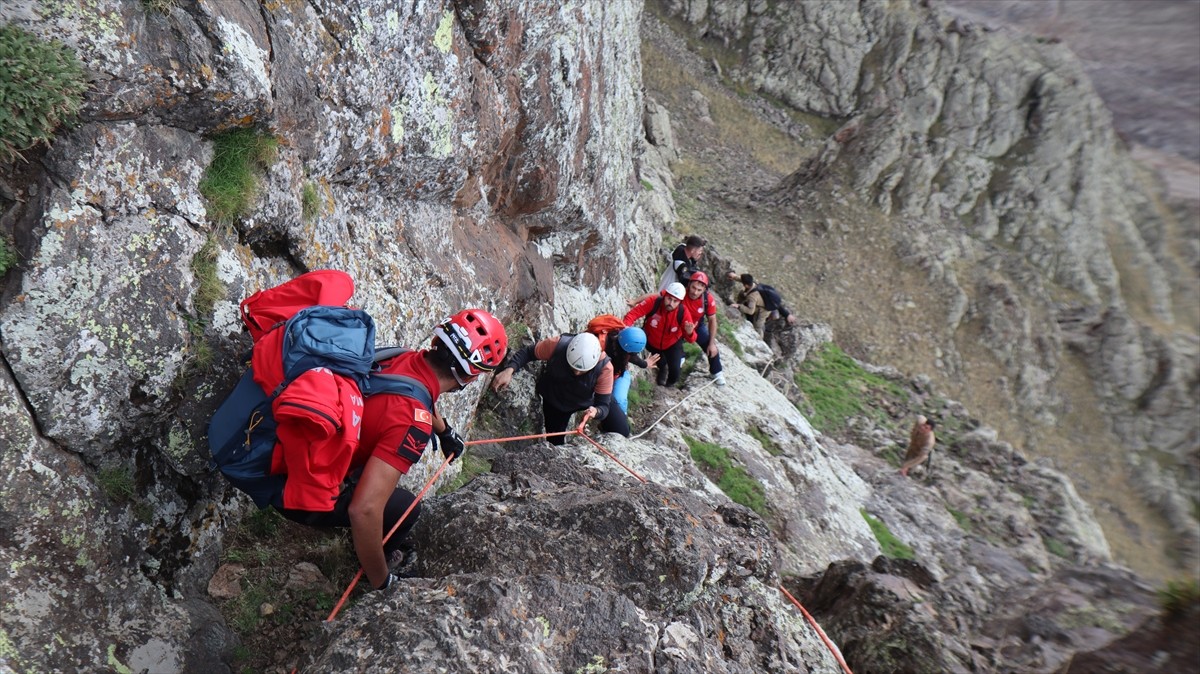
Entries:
{"x":685,"y":399}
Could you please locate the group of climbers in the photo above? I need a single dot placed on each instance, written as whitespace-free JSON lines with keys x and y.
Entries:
{"x":339,"y":465}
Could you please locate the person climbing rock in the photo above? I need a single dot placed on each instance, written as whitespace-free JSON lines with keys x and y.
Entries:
{"x":624,"y":346}
{"x":920,"y":444}
{"x":577,"y":377}
{"x":667,"y":325}
{"x":750,"y":302}
{"x":702,"y":306}
{"x":395,"y":432}
{"x":684,"y":261}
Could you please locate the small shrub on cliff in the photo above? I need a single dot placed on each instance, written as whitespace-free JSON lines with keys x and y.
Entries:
{"x":231,"y":181}
{"x":41,"y":86}
{"x":8,"y":257}
{"x":1177,"y":596}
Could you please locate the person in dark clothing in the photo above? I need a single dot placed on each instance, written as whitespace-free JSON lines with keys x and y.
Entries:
{"x":684,"y":261}
{"x":577,"y":377}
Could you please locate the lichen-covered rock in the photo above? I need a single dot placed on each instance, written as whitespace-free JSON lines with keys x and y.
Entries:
{"x":548,"y":565}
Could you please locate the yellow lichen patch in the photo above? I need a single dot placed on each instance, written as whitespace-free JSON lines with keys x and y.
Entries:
{"x":444,"y":37}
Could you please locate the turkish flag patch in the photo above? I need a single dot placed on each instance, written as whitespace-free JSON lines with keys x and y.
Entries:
{"x":421,"y":416}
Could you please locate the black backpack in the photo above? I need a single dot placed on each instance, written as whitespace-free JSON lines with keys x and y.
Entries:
{"x":772,"y":300}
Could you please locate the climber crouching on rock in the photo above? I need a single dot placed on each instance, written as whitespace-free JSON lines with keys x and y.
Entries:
{"x":577,"y":377}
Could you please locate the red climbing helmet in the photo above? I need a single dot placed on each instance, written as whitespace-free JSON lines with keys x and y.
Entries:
{"x":476,"y":338}
{"x":699,"y":276}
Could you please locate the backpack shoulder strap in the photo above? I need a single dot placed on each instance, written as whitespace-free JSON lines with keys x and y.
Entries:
{"x":402,"y":385}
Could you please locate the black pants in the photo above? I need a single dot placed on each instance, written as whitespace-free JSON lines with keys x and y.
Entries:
{"x":397,"y":503}
{"x":556,"y":421}
{"x":669,"y":361}
{"x":702,"y":341}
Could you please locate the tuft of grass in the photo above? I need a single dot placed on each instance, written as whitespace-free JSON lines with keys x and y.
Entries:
{"x":231,"y":181}
{"x":836,"y":388}
{"x":641,"y":393}
{"x":41,"y":87}
{"x":964,"y":522}
{"x":738,"y":485}
{"x":691,"y":357}
{"x":117,"y":483}
{"x":310,"y":202}
{"x":472,"y":465}
{"x":765,"y":440}
{"x":725,"y":330}
{"x":8,"y":256}
{"x":1057,"y":548}
{"x":1177,"y":596}
{"x":647,"y":186}
{"x":209,"y":288}
{"x":892,"y":547}
{"x":160,"y":6}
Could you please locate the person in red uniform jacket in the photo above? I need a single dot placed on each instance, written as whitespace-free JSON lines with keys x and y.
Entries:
{"x":703,"y":308}
{"x":667,"y":324}
{"x":395,"y":432}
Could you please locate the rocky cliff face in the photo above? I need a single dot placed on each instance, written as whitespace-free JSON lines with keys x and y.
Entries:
{"x":493,"y":153}
{"x":1043,"y":238}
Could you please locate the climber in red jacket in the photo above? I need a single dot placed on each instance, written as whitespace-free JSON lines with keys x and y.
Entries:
{"x":395,"y":432}
{"x":667,"y":324}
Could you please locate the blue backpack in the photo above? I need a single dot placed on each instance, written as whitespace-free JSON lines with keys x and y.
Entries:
{"x":241,"y":434}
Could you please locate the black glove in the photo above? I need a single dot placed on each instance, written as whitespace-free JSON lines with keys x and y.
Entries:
{"x":452,"y":443}
{"x":388,"y":583}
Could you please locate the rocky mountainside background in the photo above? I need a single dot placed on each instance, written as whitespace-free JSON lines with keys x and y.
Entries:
{"x":945,"y":202}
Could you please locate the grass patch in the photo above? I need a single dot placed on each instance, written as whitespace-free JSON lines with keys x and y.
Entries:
{"x":737,"y":484}
{"x":765,"y":440}
{"x":641,"y":394}
{"x":209,"y":289}
{"x":892,"y":547}
{"x":8,"y":256}
{"x":117,"y":483}
{"x":836,"y":388}
{"x":647,"y":186}
{"x":41,"y":87}
{"x":472,"y":465}
{"x":160,"y":6}
{"x":691,"y":356}
{"x":726,"y":331}
{"x":964,"y":522}
{"x":1057,"y":548}
{"x":310,"y":202}
{"x":1177,"y":596}
{"x":231,"y":181}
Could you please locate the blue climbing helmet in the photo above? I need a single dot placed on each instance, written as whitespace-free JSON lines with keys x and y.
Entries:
{"x":632,"y":340}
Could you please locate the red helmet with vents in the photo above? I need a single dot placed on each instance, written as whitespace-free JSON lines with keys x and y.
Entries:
{"x":476,"y":339}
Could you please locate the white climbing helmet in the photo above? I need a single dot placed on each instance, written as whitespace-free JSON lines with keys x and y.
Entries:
{"x":676,"y":290}
{"x":583,"y":352}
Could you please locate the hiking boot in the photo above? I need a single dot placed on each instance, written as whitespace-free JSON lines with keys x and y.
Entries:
{"x":719,"y":378}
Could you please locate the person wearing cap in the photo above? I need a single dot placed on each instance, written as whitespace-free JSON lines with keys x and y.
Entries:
{"x":702,"y":307}
{"x":667,"y":325}
{"x":395,"y":431}
{"x":577,"y":377}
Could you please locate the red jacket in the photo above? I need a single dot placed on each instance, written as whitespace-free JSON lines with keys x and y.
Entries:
{"x":663,"y":328}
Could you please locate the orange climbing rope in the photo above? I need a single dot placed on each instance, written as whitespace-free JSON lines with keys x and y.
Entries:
{"x":837,"y":654}
{"x":350,"y":587}
{"x":442,"y":468}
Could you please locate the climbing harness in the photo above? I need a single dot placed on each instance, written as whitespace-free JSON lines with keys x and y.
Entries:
{"x":837,"y":654}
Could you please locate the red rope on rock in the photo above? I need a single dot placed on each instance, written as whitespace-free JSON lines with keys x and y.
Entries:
{"x":837,"y":654}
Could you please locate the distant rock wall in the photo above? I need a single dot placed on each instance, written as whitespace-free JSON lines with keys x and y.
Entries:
{"x":1003,"y":138}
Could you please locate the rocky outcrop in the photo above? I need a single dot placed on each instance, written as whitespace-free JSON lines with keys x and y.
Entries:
{"x":493,"y":153}
{"x":953,"y":125}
